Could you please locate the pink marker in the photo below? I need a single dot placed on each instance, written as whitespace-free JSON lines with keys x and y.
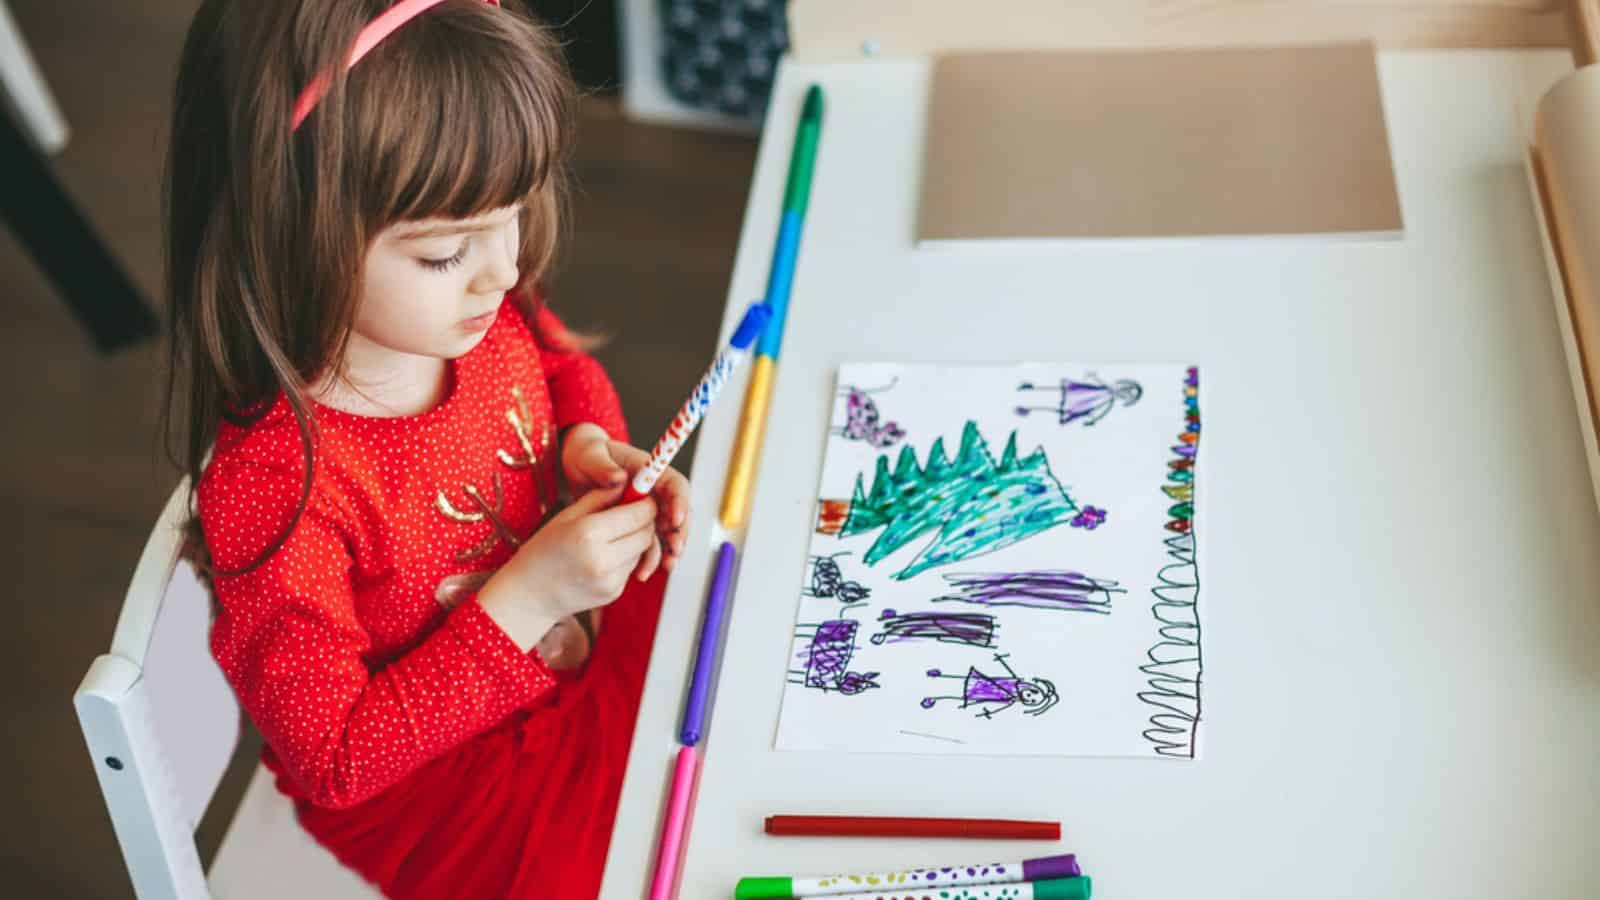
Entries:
{"x":694,"y":409}
{"x":675,"y":829}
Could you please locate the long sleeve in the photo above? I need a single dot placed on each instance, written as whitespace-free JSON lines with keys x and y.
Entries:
{"x":580,"y":390}
{"x":289,"y":642}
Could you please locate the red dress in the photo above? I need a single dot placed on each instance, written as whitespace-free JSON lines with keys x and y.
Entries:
{"x":418,"y":743}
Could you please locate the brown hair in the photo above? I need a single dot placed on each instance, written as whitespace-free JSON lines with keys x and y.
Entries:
{"x":465,"y":109}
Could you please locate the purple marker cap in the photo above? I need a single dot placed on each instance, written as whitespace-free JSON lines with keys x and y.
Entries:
{"x":755,"y":319}
{"x":1045,"y":867}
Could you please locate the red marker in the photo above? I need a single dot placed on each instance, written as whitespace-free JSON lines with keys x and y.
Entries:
{"x":879,"y":826}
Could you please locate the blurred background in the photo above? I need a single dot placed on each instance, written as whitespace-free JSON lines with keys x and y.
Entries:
{"x":666,"y":142}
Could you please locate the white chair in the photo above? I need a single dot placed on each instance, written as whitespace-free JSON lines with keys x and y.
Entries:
{"x":162,"y":724}
{"x":24,"y":86}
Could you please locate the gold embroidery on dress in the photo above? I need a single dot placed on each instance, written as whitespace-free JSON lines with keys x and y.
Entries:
{"x":486,"y":510}
{"x":545,"y":487}
{"x":520,"y":417}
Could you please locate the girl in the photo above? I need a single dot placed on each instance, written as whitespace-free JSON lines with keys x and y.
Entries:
{"x":356,"y":242}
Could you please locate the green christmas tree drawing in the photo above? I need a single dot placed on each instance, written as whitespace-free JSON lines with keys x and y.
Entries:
{"x":976,"y":505}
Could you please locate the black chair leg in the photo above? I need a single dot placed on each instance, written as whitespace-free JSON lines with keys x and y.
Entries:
{"x":49,"y":226}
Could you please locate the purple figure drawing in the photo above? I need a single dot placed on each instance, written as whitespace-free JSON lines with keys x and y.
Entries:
{"x":995,"y":693}
{"x":861,"y":418}
{"x":1085,"y":401}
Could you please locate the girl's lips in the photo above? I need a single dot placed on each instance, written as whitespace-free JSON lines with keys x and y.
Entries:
{"x":478,"y":323}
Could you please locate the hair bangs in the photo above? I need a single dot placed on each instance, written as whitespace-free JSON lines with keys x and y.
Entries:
{"x":490,"y":130}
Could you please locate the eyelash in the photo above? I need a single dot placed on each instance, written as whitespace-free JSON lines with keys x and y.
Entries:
{"x":444,"y":265}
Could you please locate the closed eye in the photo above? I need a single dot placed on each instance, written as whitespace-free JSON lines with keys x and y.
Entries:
{"x":449,"y":262}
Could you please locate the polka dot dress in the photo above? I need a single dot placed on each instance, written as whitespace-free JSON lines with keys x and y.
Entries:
{"x":369,"y":679}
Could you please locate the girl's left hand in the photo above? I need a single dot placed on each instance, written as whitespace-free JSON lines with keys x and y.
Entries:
{"x":590,"y":459}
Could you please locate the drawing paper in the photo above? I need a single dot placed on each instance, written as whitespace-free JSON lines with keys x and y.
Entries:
{"x":1004,"y":560}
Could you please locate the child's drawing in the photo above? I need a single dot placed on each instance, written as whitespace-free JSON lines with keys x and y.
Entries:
{"x":825,"y":659}
{"x":1172,"y":664}
{"x":971,"y":629}
{"x":1089,"y":518}
{"x":1040,"y":589}
{"x":827,"y":580}
{"x":992,"y":693}
{"x":975,"y":505}
{"x":861,"y":418}
{"x":958,"y":586}
{"x":1085,"y":401}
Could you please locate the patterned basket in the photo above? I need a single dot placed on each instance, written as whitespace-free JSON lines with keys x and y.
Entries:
{"x":720,"y":55}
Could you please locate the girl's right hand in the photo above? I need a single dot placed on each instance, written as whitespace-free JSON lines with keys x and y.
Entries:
{"x":579,"y":560}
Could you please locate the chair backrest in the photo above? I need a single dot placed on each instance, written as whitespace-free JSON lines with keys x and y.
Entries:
{"x":159,"y":718}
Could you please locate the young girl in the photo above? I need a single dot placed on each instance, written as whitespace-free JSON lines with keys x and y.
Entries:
{"x":383,"y":421}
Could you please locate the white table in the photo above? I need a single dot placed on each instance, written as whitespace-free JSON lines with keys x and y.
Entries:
{"x":1401,"y":554}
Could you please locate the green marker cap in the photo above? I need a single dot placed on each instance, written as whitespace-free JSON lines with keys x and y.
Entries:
{"x":1063,"y":889}
{"x":797,"y":193}
{"x":766,"y":888}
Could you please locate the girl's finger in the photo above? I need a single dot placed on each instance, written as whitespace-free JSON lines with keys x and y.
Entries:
{"x":635,"y":565}
{"x":628,"y":460}
{"x":680,"y":509}
{"x":620,"y":521}
{"x":672,"y":492}
{"x":625,"y":551}
{"x":651,"y":559}
{"x":680,"y":498}
{"x":667,"y":517}
{"x":603,"y":469}
{"x":627,"y":455}
{"x":591,"y":503}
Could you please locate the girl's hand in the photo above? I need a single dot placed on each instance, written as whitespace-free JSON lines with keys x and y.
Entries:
{"x":565,"y":646}
{"x":591,"y":460}
{"x":579,"y":560}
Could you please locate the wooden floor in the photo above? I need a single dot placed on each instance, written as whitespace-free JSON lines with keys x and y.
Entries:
{"x":83,"y":475}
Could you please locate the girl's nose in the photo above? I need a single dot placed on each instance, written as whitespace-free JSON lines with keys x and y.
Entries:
{"x":499,"y":271}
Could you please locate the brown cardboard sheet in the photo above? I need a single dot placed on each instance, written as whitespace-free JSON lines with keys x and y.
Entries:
{"x":835,"y":30}
{"x":1064,"y":145}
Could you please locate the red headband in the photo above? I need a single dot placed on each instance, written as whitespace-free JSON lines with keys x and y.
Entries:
{"x":378,"y":29}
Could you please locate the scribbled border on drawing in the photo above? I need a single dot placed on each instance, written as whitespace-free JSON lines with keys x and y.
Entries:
{"x":1174,"y":662}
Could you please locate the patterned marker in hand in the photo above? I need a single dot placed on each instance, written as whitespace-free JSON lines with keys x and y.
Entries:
{"x":694,"y":409}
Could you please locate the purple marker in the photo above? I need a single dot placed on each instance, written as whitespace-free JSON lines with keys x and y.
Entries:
{"x":696,"y":708}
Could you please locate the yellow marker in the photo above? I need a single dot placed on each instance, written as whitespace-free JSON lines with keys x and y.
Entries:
{"x":747,"y":446}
